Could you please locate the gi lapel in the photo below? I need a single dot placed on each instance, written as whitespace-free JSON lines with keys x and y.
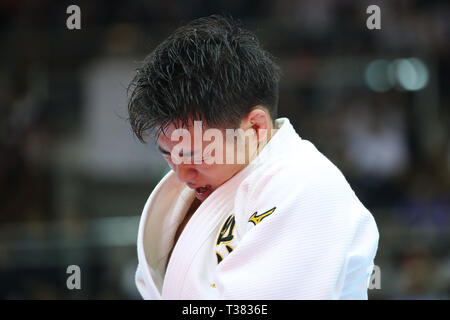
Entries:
{"x":156,"y":229}
{"x":197,"y":232}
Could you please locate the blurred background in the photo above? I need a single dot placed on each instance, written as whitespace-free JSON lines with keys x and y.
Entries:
{"x":73,"y":179}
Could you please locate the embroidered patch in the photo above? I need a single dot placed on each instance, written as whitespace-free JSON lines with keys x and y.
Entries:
{"x":226,"y":233}
{"x":224,"y":239}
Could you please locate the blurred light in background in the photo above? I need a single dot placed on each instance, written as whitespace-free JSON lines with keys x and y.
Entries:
{"x":411,"y":74}
{"x":377,"y":75}
{"x":407,"y":74}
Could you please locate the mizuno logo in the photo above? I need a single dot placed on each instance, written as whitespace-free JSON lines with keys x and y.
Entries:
{"x":257,"y":219}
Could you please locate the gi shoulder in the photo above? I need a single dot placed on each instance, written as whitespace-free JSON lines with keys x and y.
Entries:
{"x":291,"y":186}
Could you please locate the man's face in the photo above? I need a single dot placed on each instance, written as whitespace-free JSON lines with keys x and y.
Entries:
{"x":194,"y":166}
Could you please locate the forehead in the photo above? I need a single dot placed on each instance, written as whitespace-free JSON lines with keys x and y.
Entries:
{"x":177,"y":134}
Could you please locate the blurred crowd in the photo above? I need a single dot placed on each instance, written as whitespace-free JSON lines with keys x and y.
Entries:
{"x":73,"y":179}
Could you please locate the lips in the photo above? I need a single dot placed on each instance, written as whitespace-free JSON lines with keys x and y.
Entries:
{"x":203,"y":189}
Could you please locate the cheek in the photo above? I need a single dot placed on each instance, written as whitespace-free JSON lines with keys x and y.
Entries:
{"x":217,"y":173}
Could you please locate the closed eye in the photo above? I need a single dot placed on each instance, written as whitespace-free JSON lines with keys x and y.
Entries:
{"x":166,"y":153}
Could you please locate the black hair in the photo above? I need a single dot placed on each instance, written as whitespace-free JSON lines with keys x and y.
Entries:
{"x":211,"y":69}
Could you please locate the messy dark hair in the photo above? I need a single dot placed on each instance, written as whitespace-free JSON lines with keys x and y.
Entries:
{"x":211,"y":69}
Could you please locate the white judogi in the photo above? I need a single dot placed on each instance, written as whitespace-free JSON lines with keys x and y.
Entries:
{"x":287,"y":226}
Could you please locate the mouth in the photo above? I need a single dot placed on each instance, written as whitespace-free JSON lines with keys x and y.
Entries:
{"x":203,"y":192}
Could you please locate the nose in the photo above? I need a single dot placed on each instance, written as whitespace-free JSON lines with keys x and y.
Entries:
{"x":185,"y":173}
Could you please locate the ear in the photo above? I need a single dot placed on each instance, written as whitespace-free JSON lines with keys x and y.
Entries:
{"x":259,"y":120}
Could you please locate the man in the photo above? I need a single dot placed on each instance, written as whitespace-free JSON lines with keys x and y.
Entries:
{"x":249,"y":210}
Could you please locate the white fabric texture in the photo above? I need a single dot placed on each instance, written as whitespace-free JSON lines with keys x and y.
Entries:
{"x":313,"y":239}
